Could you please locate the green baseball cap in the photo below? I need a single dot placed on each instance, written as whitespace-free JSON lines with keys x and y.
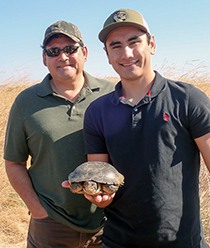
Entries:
{"x":65,"y":28}
{"x":122,"y":18}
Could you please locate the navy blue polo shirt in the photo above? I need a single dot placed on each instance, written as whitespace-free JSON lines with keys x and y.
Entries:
{"x":152,"y":145}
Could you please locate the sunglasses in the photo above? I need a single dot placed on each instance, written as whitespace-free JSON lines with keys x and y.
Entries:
{"x":55,"y":51}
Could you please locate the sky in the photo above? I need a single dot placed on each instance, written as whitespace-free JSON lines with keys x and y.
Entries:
{"x":181,"y":29}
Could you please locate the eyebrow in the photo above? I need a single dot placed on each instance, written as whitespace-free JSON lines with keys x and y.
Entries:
{"x":113,"y":43}
{"x":135,"y":37}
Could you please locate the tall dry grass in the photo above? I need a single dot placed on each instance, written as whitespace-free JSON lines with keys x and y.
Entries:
{"x":13,"y":212}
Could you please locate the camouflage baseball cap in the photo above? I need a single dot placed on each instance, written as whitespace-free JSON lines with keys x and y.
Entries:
{"x":65,"y":28}
{"x":122,"y":18}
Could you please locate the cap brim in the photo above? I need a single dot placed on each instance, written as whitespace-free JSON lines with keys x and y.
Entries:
{"x":107,"y":30}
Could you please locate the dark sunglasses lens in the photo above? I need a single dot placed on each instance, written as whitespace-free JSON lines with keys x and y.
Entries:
{"x":53,"y":52}
{"x":68,"y":49}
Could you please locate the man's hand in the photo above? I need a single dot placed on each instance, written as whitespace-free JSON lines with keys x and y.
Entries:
{"x":65,"y":184}
{"x":40,"y":213}
{"x":101,"y":201}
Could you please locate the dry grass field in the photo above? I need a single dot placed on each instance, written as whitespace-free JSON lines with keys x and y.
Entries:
{"x":13,"y":213}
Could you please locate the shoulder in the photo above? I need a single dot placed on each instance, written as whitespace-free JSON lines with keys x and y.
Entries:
{"x":37,"y":90}
{"x":188,"y":91}
{"x":27,"y":93}
{"x":192,"y":101}
{"x":102,"y":103}
{"x":98,"y":83}
{"x":31,"y":95}
{"x":182,"y":90}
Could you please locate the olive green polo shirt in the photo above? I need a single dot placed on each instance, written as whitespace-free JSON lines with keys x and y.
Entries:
{"x":49,"y":128}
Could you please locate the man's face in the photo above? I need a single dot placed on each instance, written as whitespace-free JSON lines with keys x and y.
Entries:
{"x":129,"y":53}
{"x":65,"y":67}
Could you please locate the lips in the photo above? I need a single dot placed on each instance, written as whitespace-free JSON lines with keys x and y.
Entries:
{"x":127,"y":64}
{"x":61,"y":65}
{"x":64,"y":65}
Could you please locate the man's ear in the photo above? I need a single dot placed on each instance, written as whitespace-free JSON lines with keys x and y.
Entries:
{"x":85,"y":52}
{"x":152,"y":45}
{"x":44,"y":59}
{"x":105,"y":50}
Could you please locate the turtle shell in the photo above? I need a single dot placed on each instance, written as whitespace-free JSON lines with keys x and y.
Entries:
{"x":100,"y":172}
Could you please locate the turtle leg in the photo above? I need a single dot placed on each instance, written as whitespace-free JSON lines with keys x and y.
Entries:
{"x":76,"y":187}
{"x":109,"y":188}
{"x":92,"y":187}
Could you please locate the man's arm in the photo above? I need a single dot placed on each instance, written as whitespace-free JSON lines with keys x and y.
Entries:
{"x":21,"y":182}
{"x":98,"y":157}
{"x":203,"y":144}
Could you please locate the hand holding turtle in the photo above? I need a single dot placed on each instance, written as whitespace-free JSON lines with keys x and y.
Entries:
{"x":101,"y":201}
{"x":98,"y":181}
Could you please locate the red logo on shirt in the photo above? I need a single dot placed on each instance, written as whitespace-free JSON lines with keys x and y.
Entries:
{"x":165,"y":117}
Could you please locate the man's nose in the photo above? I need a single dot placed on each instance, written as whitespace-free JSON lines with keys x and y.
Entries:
{"x":127,"y":52}
{"x":63,"y":55}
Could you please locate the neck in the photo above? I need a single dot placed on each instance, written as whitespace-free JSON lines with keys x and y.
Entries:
{"x":70,"y":90}
{"x":135,"y":90}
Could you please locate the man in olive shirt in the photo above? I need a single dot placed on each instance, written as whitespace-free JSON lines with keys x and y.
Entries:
{"x":46,"y":122}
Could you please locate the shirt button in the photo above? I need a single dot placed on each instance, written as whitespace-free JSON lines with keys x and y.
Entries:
{"x":74,"y":107}
{"x":135,"y":109}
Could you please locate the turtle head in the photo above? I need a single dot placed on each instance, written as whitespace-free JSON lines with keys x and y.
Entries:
{"x":91,"y":187}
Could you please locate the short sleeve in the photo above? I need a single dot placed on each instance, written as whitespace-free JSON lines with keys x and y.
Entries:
{"x":199,"y":113}
{"x":93,"y":132}
{"x":15,"y":148}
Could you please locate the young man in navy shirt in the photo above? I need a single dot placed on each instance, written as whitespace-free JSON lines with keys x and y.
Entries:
{"x":152,"y":130}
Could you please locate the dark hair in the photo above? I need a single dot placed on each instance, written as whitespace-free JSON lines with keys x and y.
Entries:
{"x":57,"y":36}
{"x":148,"y":37}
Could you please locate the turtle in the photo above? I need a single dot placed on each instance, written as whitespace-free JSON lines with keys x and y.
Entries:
{"x":95,"y":177}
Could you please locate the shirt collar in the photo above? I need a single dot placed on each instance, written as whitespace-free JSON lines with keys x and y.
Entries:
{"x":44,"y":88}
{"x":157,"y":87}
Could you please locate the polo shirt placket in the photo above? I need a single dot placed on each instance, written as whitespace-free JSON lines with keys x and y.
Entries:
{"x":136,"y":109}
